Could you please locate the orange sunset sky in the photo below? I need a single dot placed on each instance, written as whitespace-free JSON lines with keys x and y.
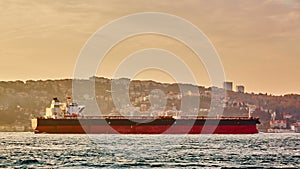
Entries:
{"x":258,"y":41}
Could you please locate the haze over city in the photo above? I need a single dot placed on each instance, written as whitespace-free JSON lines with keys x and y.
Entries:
{"x":257,"y":41}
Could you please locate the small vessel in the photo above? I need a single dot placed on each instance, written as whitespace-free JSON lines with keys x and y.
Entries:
{"x":67,"y":118}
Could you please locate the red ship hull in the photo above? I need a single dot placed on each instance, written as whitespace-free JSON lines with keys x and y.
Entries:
{"x":158,"y":126}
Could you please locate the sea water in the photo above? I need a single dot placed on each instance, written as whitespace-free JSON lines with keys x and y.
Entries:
{"x":28,"y":150}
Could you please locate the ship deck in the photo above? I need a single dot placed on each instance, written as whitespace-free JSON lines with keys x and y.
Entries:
{"x":164,"y":117}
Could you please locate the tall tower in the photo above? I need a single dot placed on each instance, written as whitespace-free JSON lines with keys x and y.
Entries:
{"x":228,"y":86}
{"x":240,"y":88}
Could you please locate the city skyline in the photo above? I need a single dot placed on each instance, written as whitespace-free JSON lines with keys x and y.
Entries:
{"x":257,"y":41}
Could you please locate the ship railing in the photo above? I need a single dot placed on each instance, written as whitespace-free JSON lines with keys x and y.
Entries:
{"x":216,"y":117}
{"x":125,"y":117}
{"x":161,"y":117}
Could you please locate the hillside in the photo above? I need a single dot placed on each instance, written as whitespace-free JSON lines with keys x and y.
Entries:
{"x":20,"y":101}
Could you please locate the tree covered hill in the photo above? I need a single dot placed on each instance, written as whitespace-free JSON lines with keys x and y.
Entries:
{"x":20,"y":101}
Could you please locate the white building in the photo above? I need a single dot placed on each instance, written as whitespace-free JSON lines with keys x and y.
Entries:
{"x":228,"y":86}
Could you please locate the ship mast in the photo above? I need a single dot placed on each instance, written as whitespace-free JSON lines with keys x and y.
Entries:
{"x":249,"y":112}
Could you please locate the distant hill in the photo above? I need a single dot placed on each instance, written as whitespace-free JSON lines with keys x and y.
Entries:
{"x":20,"y":101}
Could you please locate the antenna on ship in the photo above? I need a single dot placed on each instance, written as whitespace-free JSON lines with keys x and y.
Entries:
{"x":69,"y":101}
{"x":249,"y":112}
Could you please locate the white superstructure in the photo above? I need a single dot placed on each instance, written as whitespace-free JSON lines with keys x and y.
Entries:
{"x":59,"y":110}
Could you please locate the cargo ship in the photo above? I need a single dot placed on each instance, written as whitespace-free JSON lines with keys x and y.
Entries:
{"x":67,"y":118}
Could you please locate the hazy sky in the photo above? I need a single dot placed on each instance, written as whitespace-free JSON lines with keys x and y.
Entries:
{"x":258,"y":40}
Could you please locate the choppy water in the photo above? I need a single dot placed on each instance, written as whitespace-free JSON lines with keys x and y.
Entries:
{"x":26,"y":150}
